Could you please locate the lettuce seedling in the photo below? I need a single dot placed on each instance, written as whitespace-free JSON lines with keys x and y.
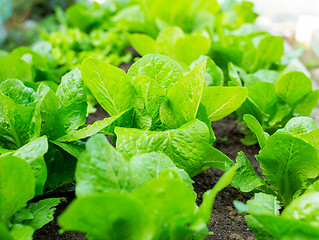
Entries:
{"x":273,"y":100}
{"x":31,"y":118}
{"x":172,"y":112}
{"x":121,"y":189}
{"x":293,"y":150}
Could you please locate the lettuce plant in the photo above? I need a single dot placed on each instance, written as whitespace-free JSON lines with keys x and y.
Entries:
{"x":32,"y":160}
{"x":122,"y":189}
{"x":273,"y":100}
{"x":156,"y":88}
{"x":293,"y":150}
{"x":31,"y":118}
{"x":247,"y":49}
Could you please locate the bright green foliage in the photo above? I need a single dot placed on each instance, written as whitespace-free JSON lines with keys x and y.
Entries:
{"x":311,"y":137}
{"x":161,"y":115}
{"x":73,"y":100}
{"x":256,"y":128}
{"x":216,"y":159}
{"x":156,"y":88}
{"x":270,"y":50}
{"x":17,"y":91}
{"x":273,"y":102}
{"x":172,"y":42}
{"x":185,"y":145}
{"x":160,"y":68}
{"x":187,"y":92}
{"x":245,"y":178}
{"x":174,"y":214}
{"x":109,"y":85}
{"x":261,"y":204}
{"x":33,"y":153}
{"x":20,"y":231}
{"x":151,"y":17}
{"x":295,"y":162}
{"x":304,"y":208}
{"x":101,"y":168}
{"x":246,"y":48}
{"x":27,"y":220}
{"x":288,"y":87}
{"x":15,"y":123}
{"x":90,"y":130}
{"x":14,"y":68}
{"x":226,"y":100}
{"x":147,"y":166}
{"x":299,"y":220}
{"x":16,"y":174}
{"x":292,"y":149}
{"x":98,"y":36}
{"x":150,"y":95}
{"x":213,"y":75}
{"x":263,"y":75}
{"x":37,"y":214}
{"x":119,"y":216}
{"x":299,"y":125}
{"x":28,"y":66}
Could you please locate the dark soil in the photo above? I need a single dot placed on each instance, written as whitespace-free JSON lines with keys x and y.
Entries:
{"x":226,"y":223}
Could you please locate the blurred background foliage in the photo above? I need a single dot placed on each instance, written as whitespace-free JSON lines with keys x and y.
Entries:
{"x":21,"y":21}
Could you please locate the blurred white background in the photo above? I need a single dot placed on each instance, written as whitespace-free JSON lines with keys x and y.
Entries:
{"x":298,"y":22}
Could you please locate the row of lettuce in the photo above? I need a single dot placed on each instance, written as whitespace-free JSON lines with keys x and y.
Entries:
{"x":203,"y":61}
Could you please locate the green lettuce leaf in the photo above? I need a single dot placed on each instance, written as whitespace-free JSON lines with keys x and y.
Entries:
{"x":33,"y":153}
{"x":42,"y":212}
{"x":12,"y":67}
{"x":150,"y":95}
{"x":112,"y":172}
{"x":256,"y":128}
{"x":91,"y":129}
{"x":109,"y":85}
{"x":245,"y":178}
{"x":16,"y":174}
{"x":160,"y":68}
{"x":299,"y":126}
{"x":15,"y":123}
{"x":185,"y":145}
{"x":214,"y":75}
{"x":187,"y":92}
{"x":222,"y":101}
{"x":295,"y":162}
{"x":288,"y":87}
{"x":17,"y":91}
{"x":51,"y":121}
{"x":119,"y":216}
{"x":73,"y":100}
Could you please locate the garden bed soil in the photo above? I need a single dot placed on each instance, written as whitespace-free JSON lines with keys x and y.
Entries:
{"x":225,"y":222}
